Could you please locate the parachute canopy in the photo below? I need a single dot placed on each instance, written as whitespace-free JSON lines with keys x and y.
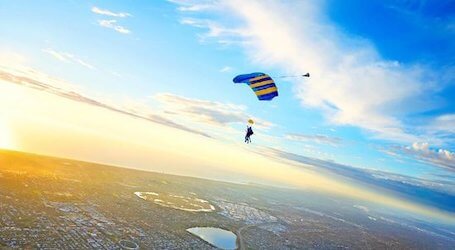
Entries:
{"x":262,"y":84}
{"x":250,"y":121}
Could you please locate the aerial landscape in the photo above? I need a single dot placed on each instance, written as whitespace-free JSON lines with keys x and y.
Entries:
{"x":59,"y":203}
{"x":227,"y":124}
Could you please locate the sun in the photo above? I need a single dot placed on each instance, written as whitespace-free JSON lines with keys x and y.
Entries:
{"x":6,"y":135}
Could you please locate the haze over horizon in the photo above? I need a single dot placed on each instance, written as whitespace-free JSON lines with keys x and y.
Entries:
{"x":149,"y":86}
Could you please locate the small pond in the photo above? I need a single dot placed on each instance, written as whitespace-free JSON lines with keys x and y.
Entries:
{"x":216,"y":236}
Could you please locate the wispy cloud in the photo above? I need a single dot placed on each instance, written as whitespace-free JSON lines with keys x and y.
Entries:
{"x":438,"y":194}
{"x":39,"y":81}
{"x":226,"y":69}
{"x":196,"y":7}
{"x":106,"y":12}
{"x":207,"y":112}
{"x":321,"y":139}
{"x":67,"y":57}
{"x":112,"y":24}
{"x":444,"y":123}
{"x":441,"y":129}
{"x":189,"y":6}
{"x":214,"y":30}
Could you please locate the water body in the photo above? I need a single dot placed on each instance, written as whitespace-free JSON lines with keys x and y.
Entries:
{"x":216,"y":236}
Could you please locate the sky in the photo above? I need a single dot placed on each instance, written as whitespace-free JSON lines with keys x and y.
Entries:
{"x":148,"y":85}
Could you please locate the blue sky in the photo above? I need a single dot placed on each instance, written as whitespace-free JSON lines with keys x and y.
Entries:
{"x":380,"y":96}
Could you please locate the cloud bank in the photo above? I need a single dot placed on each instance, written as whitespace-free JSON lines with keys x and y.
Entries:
{"x":424,"y":153}
{"x":39,"y":81}
{"x":435,"y":193}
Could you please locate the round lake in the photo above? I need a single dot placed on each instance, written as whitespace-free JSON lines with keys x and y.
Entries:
{"x":216,"y":236}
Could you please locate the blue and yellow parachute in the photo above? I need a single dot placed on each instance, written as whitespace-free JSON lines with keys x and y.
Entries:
{"x":262,"y":84}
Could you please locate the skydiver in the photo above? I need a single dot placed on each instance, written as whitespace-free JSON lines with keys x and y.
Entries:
{"x":249,"y":133}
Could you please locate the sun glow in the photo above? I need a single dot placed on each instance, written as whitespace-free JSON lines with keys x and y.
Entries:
{"x":6,"y":137}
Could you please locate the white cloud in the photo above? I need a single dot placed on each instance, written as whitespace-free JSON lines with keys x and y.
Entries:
{"x":67,"y":58}
{"x":223,"y":34}
{"x":193,"y":6}
{"x":443,"y":123}
{"x":321,"y":139}
{"x":56,"y":55}
{"x":198,"y":7}
{"x":438,"y":131}
{"x":351,"y":83}
{"x":423,"y":152}
{"x":112,"y":24}
{"x":226,"y":69}
{"x":109,"y":13}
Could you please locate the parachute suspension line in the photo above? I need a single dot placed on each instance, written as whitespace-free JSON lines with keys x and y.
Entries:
{"x":262,"y":84}
{"x":306,"y":75}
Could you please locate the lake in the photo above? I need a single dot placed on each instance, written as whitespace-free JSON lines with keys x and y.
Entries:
{"x":216,"y":236}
